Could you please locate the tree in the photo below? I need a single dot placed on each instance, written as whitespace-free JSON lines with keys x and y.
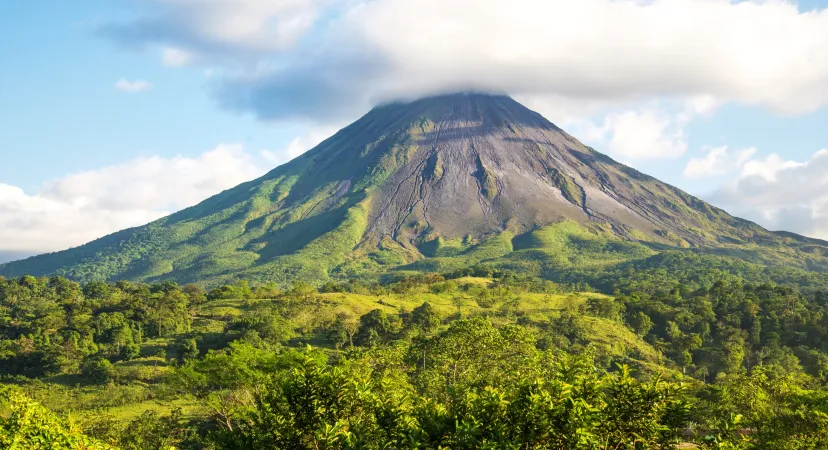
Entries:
{"x":473,"y":352}
{"x":311,"y":404}
{"x":152,"y":431}
{"x":98,"y":370}
{"x":375,"y":327}
{"x":243,"y":289}
{"x":641,"y":323}
{"x":168,"y":312}
{"x":607,"y":308}
{"x":343,"y":330}
{"x":302,"y":291}
{"x":264,"y":321}
{"x":733,"y":354}
{"x":226,"y":292}
{"x":188,"y":350}
{"x":424,"y":318}
{"x":195,"y":294}
{"x":226,"y":382}
{"x":130,"y":352}
{"x":97,"y":290}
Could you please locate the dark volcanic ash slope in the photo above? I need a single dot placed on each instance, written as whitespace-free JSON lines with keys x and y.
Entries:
{"x":485,"y":163}
{"x":463,"y":166}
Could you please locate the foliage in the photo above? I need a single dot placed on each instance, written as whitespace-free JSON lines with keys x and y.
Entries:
{"x":479,"y":357}
{"x":28,"y":425}
{"x":350,"y":405}
{"x":98,"y":370}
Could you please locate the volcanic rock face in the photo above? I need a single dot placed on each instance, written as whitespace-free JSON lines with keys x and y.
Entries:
{"x":456,"y":167}
{"x":480,"y":164}
{"x":483,"y":164}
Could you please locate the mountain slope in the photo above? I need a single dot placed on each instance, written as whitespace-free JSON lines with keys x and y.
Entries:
{"x":472,"y":177}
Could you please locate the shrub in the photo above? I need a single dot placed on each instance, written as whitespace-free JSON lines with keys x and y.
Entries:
{"x":98,"y":370}
{"x":130,"y":352}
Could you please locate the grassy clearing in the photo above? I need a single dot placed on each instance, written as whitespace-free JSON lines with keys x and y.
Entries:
{"x":126,"y":413}
{"x":537,"y":305}
{"x":456,"y":298}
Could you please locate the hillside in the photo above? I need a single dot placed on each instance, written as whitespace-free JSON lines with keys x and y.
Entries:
{"x":429,"y":185}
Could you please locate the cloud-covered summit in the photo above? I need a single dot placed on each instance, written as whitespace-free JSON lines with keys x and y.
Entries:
{"x":333,"y":58}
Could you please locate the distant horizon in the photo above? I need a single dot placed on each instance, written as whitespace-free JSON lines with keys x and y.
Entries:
{"x":9,"y":257}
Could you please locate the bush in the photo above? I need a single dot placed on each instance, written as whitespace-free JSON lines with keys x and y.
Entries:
{"x":29,"y":425}
{"x":188,"y":350}
{"x":424,"y":317}
{"x":606,"y":308}
{"x":485,"y":301}
{"x":98,"y":370}
{"x":130,"y":352}
{"x":140,"y":372}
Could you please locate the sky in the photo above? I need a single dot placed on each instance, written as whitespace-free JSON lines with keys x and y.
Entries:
{"x":115,"y":113}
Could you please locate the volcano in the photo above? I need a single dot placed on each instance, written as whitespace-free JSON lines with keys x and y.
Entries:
{"x":425,"y":185}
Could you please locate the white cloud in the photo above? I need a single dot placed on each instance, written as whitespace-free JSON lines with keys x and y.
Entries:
{"x":331,"y":60}
{"x":299,"y":145}
{"x":604,"y":47}
{"x":133,"y":86}
{"x":649,"y":131}
{"x":644,"y":134}
{"x":701,"y":105}
{"x":717,"y":161}
{"x":369,"y":51}
{"x":768,"y":167}
{"x":77,"y":208}
{"x":175,"y":57}
{"x":568,"y":113}
{"x":781,"y":194}
{"x":232,"y":29}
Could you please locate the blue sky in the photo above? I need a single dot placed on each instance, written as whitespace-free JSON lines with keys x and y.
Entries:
{"x":722,"y":98}
{"x":61,"y":113}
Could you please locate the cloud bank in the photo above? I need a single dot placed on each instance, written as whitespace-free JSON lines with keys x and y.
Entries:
{"x":78,"y":208}
{"x":781,"y":194}
{"x":320,"y":59}
{"x":717,"y":161}
{"x":219,"y":28}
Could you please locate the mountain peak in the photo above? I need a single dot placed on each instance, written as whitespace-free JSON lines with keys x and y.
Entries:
{"x":407,"y":182}
{"x":449,"y":99}
{"x":485,"y":108}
